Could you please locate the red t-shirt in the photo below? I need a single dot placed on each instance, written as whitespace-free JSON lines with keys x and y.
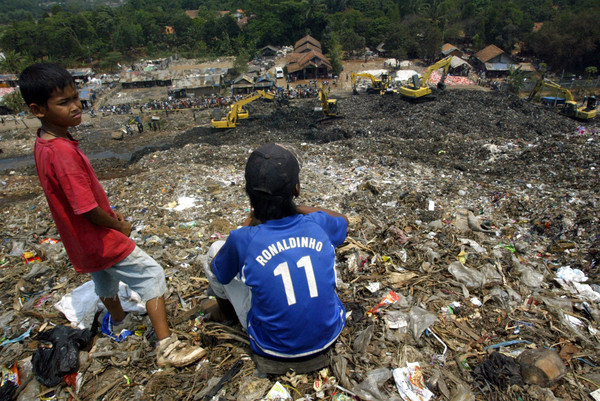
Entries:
{"x":72,"y":189}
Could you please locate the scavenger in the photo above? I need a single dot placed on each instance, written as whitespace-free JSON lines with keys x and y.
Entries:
{"x":95,"y":236}
{"x":278,"y":270}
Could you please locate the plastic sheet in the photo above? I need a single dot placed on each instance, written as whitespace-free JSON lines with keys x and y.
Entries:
{"x":80,"y":306}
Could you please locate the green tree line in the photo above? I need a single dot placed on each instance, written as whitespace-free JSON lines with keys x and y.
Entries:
{"x":567,"y":35}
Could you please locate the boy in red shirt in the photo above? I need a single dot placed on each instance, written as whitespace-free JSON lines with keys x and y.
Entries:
{"x":95,"y":237}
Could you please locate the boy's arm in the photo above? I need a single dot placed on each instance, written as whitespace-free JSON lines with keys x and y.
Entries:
{"x":312,"y":209}
{"x":99,"y":217}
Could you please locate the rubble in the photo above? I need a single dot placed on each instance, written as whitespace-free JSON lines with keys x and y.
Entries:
{"x":477,"y":211}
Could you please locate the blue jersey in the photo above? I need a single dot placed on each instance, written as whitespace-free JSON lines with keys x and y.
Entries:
{"x":289,"y":266}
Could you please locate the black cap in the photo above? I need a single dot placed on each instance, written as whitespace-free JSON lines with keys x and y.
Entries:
{"x":272,"y":171}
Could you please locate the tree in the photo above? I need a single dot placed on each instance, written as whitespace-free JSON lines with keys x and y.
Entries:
{"x":335,"y":56}
{"x":504,"y":24}
{"x":14,"y":62}
{"x":14,"y":102}
{"x":109,"y":61}
{"x":240,"y":65}
{"x":398,"y":41}
{"x":352,"y":42}
{"x":569,"y":42}
{"x":428,"y":39}
{"x":334,"y":6}
{"x":127,"y":35}
{"x":516,"y":79}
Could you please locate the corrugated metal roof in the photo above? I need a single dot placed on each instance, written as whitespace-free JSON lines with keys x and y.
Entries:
{"x":207,"y":74}
{"x":498,"y":66}
{"x":457,"y":62}
{"x":191,"y":13}
{"x":8,"y":77}
{"x":242,"y":79}
{"x":79,"y":72}
{"x":527,"y":67}
{"x":293,"y":57}
{"x":448,"y":48}
{"x":203,"y":81}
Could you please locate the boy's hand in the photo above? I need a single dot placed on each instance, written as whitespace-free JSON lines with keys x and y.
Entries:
{"x":99,"y":217}
{"x":125,"y":227}
{"x":312,"y":209}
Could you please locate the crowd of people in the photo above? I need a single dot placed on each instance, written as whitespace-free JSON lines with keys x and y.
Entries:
{"x":173,"y":104}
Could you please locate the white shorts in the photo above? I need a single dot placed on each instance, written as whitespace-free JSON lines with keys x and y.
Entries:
{"x":138,"y":270}
{"x":238,"y":293}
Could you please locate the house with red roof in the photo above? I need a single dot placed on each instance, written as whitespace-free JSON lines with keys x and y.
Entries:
{"x":307,"y":60}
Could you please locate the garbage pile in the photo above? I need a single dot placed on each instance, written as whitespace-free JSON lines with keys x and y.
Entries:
{"x":470,"y":271}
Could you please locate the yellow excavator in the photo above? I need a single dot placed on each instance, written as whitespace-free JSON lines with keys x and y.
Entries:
{"x":378,"y":85}
{"x":328,"y":106}
{"x":419,"y":88}
{"x":570,"y":108}
{"x":237,"y":111}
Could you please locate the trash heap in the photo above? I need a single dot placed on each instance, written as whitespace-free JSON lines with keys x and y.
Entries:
{"x":470,"y":271}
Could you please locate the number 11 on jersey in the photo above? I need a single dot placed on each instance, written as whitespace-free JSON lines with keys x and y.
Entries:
{"x":284,"y":271}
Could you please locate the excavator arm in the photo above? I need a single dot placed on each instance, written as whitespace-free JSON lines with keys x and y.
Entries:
{"x":570,"y":108}
{"x":419,"y":87}
{"x":543,"y":82}
{"x":329,"y":106}
{"x":243,"y":113}
{"x":237,"y":111}
{"x":443,"y":63}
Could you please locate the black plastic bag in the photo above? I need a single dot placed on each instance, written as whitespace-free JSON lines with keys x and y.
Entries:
{"x":500,"y":370}
{"x":58,"y":353}
{"x":8,"y":391}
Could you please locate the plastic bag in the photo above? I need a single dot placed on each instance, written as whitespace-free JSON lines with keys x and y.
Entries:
{"x":80,"y":306}
{"x":500,"y":370}
{"x":368,"y":389}
{"x":419,"y":320}
{"x":8,"y":391}
{"x":107,"y":329}
{"x":58,"y":353}
{"x":529,"y":277}
{"x":471,"y":278}
{"x":462,"y":393}
{"x":362,"y":340}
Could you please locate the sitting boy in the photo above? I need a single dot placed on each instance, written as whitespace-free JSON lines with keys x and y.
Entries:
{"x":278,"y":270}
{"x":95,"y":237}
